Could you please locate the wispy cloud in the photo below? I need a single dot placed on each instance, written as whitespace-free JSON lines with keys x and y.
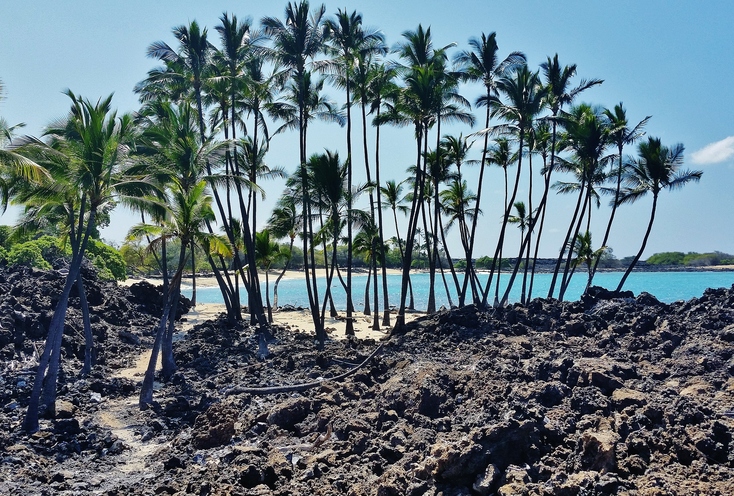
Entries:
{"x":714,"y":153}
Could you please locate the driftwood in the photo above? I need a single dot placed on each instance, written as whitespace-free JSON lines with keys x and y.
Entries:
{"x":261,"y":391}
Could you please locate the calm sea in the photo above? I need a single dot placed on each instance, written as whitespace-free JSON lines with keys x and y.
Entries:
{"x":666,"y":286}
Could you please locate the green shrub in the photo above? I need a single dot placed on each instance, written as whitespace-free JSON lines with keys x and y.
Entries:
{"x":28,"y":253}
{"x":667,"y":258}
{"x":107,"y":260}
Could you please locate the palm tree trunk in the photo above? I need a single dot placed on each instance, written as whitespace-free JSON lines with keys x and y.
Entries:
{"x":541,"y":213}
{"x":567,"y":239}
{"x":193,"y":275}
{"x":385,"y":298}
{"x":644,"y":243}
{"x":564,"y":280}
{"x":282,"y":273}
{"x":469,"y":262}
{"x":88,"y":339}
{"x":350,"y":323}
{"x":267,"y":296}
{"x":412,"y":225}
{"x":611,"y":219}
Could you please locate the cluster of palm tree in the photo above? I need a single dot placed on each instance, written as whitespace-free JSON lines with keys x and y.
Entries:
{"x":194,"y":155}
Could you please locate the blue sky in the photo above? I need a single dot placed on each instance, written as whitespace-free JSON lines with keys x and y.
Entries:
{"x":673,"y":60}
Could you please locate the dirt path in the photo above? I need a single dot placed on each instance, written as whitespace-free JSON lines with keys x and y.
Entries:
{"x":121,"y":417}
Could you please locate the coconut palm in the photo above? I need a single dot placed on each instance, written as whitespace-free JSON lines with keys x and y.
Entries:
{"x":559,"y":93}
{"x":295,"y":41}
{"x":88,"y":149}
{"x":656,"y":168}
{"x":268,"y":252}
{"x":185,"y":72}
{"x":328,"y":177}
{"x":620,"y":135}
{"x":501,"y":155}
{"x":284,"y":222}
{"x":394,"y":199}
{"x":15,"y":167}
{"x":524,"y":99}
{"x":523,"y":219}
{"x":587,"y":137}
{"x":585,"y":253}
{"x":419,"y":103}
{"x":189,"y":212}
{"x":303,"y":102}
{"x":482,"y":63}
{"x":542,"y":139}
{"x":349,"y":42}
{"x":376,"y":85}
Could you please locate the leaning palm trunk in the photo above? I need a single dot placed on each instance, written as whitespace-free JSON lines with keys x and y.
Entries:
{"x":367,"y":310}
{"x":541,"y":213}
{"x":43,"y":394}
{"x":644,"y":244}
{"x":505,"y":221}
{"x":267,"y":297}
{"x":569,"y":257}
{"x":470,"y":271}
{"x":168,"y":362}
{"x":430,"y":253}
{"x":567,"y":239}
{"x":412,"y":226}
{"x":88,"y":339}
{"x":615,"y":204}
{"x":146,"y":392}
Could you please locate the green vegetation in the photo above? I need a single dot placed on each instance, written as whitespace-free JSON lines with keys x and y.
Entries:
{"x":42,"y":252}
{"x":691,"y":259}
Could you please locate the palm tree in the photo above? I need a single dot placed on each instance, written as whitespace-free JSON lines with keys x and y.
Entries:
{"x":459,"y":205}
{"x":284,"y":222}
{"x":189,"y":211}
{"x":349,"y":42}
{"x":542,"y":140}
{"x":501,"y":155}
{"x":302,"y":103}
{"x":48,"y":207}
{"x":525,"y":97}
{"x":328,"y":177}
{"x":523,"y":219}
{"x":587,"y":137}
{"x":482,"y":64}
{"x":621,"y":135}
{"x":585,"y":253}
{"x":189,"y":66}
{"x":557,"y":80}
{"x":15,"y":168}
{"x":394,"y":198}
{"x":419,"y":104}
{"x":268,"y":252}
{"x":295,"y":41}
{"x":376,"y":85}
{"x":656,"y":167}
{"x":88,"y":148}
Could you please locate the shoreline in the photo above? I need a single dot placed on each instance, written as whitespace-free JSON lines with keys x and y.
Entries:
{"x":301,"y":321}
{"x":206,"y":280}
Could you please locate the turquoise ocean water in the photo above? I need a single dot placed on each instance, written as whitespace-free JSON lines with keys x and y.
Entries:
{"x":666,"y":286}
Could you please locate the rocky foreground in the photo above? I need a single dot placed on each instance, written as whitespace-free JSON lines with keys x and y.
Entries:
{"x":608,"y":395}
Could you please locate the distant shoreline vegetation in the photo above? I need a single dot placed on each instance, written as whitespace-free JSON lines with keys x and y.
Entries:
{"x":42,"y":252}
